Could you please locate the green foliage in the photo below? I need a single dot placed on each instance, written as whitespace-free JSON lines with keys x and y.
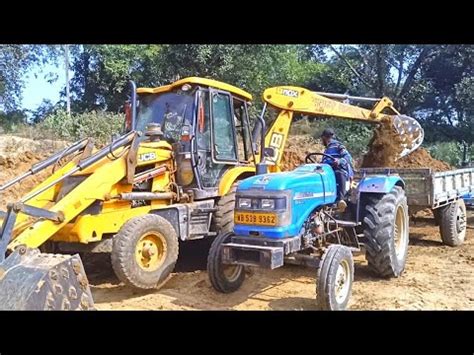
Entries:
{"x":102,"y":71}
{"x":15,"y":60}
{"x":9,"y":122}
{"x":98,"y":125}
{"x":433,"y":83}
{"x":450,"y":152}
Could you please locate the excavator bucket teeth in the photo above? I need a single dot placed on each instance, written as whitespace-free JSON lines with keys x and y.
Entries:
{"x":31,"y":280}
{"x":411,"y":132}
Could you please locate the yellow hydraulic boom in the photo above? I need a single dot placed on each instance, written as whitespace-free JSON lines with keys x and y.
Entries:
{"x":291,"y":99}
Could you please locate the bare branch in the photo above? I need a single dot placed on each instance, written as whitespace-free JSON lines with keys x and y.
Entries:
{"x":380,"y":77}
{"x":414,"y":69}
{"x":400,"y":72}
{"x":349,"y":65}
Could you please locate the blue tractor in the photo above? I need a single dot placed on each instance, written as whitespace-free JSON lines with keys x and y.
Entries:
{"x":291,"y":217}
{"x":469,"y":200}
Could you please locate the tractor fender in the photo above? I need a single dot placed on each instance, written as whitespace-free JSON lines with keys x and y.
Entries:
{"x":380,"y":183}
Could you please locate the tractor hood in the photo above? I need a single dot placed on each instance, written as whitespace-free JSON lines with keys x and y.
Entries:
{"x":304,"y":189}
{"x":303,"y":177}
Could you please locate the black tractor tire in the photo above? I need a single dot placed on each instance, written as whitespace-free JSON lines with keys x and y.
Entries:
{"x":334,"y":279}
{"x":220,"y":280}
{"x":437,"y":216}
{"x":386,"y":230}
{"x":127,"y":243}
{"x":452,"y":223}
{"x":223,"y":219}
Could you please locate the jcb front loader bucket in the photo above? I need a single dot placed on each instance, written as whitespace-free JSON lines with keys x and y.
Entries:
{"x":31,"y":280}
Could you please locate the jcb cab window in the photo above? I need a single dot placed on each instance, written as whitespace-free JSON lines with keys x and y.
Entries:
{"x":171,"y":110}
{"x":223,"y":130}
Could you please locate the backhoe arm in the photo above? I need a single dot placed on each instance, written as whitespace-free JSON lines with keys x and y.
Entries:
{"x":305,"y":101}
{"x":291,"y":99}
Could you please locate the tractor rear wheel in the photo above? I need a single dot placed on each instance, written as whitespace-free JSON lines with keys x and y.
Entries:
{"x":452,"y":223}
{"x":224,"y":278}
{"x":223,"y":219}
{"x":334,"y":279}
{"x":145,"y":251}
{"x":385,"y":225}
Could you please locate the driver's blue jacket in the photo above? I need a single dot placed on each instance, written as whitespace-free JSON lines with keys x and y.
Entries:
{"x":337,"y":150}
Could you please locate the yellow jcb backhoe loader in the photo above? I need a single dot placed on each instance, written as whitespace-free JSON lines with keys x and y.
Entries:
{"x":170,"y":177}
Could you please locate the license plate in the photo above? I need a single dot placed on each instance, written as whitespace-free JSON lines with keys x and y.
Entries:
{"x":263,"y":219}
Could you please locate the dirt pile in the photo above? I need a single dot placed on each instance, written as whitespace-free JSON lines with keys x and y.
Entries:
{"x":386,"y":145}
{"x":17,"y":155}
{"x":297,"y":147}
{"x":421,"y":158}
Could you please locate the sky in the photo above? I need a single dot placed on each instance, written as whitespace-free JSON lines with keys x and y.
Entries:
{"x":37,"y":89}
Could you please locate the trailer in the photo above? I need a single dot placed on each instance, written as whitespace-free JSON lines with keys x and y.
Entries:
{"x":442,"y":192}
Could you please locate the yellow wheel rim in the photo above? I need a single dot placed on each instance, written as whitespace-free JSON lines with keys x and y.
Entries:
{"x":400,"y":233}
{"x":150,"y":251}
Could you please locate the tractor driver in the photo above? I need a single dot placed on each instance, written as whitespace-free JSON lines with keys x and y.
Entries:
{"x":341,"y":164}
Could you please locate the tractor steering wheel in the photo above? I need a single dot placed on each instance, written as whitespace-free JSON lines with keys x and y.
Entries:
{"x":311,"y":160}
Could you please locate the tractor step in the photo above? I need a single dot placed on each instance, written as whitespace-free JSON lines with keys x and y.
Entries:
{"x":202,"y":211}
{"x":253,"y":255}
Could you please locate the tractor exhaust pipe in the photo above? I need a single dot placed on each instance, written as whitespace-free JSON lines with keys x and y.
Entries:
{"x":261,"y":167}
{"x":134,"y":103}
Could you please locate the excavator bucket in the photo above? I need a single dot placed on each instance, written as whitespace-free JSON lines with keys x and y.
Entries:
{"x":411,"y":132}
{"x":31,"y":280}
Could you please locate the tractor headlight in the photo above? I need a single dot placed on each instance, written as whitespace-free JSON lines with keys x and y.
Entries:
{"x":245,"y":203}
{"x":268,"y":204}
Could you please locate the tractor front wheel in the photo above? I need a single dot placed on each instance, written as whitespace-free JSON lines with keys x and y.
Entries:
{"x":145,"y":251}
{"x":334,"y":279}
{"x":224,"y":278}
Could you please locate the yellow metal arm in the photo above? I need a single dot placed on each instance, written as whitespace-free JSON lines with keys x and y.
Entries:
{"x":291,"y":99}
{"x":302,"y":100}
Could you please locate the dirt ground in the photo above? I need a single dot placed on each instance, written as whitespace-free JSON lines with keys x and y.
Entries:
{"x":436,"y":277}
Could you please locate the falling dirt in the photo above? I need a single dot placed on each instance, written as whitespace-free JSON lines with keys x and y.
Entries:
{"x":297,"y":147}
{"x":386,"y":145}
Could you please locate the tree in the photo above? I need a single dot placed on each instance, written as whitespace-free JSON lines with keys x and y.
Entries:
{"x":15,"y":60}
{"x":102,"y":72}
{"x":431,"y":83}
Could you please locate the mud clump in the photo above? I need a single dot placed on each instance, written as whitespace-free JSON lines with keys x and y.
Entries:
{"x":386,"y":145}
